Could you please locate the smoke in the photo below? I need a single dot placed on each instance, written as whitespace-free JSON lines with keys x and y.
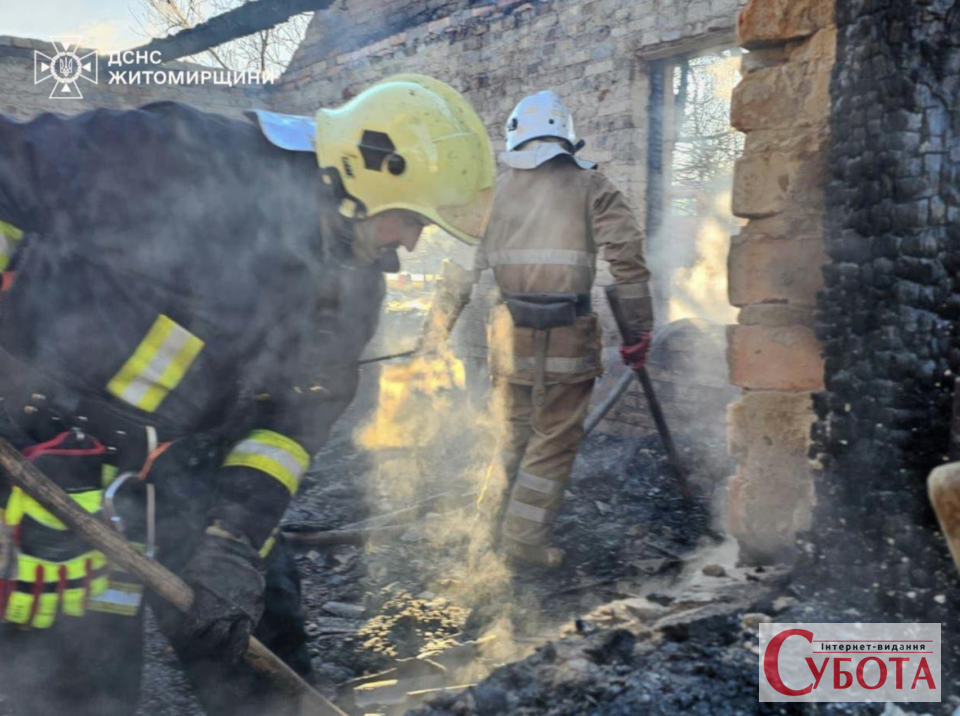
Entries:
{"x":414,"y":400}
{"x":688,"y":261}
{"x":688,"y":256}
{"x":424,"y":437}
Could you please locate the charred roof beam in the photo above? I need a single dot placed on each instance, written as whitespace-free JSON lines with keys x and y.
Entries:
{"x":244,"y":20}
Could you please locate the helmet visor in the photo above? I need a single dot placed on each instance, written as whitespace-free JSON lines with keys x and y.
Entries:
{"x":467,"y":222}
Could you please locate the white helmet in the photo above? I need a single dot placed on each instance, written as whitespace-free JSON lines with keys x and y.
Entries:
{"x":538,"y":116}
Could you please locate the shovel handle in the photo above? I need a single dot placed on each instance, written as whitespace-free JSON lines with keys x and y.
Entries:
{"x":165,"y":583}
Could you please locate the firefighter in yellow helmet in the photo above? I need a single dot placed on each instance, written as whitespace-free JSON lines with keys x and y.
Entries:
{"x":187,"y":298}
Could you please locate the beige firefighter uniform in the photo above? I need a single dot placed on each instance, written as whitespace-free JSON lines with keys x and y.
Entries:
{"x":546,"y":228}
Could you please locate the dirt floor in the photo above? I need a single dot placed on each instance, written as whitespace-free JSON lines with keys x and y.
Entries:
{"x":425,"y":608}
{"x":649,"y":613}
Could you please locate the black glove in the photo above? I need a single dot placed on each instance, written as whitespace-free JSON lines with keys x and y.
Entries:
{"x":226,"y":575}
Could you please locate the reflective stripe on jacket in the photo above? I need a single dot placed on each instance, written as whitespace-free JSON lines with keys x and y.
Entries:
{"x":181,"y":275}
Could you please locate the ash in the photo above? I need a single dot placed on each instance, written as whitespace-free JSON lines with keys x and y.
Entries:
{"x":650,"y":613}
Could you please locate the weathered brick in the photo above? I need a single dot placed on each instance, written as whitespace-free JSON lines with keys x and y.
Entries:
{"x":774,"y":357}
{"x":769,"y":183}
{"x":786,"y":95}
{"x":764,"y":269}
{"x":771,"y":496}
{"x":764,"y":22}
{"x":761,"y":183}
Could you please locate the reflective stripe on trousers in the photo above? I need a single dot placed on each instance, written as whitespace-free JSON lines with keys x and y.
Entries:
{"x":541,"y":446}
{"x":39,"y":586}
{"x":121,"y":598}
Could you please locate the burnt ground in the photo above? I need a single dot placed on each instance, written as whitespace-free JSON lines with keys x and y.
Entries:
{"x":648,"y":614}
{"x":624,"y":525}
{"x":611,"y":531}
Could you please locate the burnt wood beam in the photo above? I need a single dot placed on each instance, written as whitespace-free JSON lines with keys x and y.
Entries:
{"x":244,"y":20}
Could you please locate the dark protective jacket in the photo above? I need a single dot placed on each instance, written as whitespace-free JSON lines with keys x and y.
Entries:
{"x":174,"y":275}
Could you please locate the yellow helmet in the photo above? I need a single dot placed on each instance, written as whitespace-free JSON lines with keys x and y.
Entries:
{"x":411,"y":142}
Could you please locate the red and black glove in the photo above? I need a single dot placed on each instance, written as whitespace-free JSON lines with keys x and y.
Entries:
{"x":635,"y":356}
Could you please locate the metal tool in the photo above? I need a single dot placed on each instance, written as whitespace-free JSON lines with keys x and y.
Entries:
{"x":656,"y":411}
{"x":109,"y":500}
{"x":600,"y":412}
{"x":111,"y":513}
{"x":392,"y":356}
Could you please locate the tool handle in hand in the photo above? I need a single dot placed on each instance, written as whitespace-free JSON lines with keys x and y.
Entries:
{"x":673,"y":457}
{"x":165,"y":583}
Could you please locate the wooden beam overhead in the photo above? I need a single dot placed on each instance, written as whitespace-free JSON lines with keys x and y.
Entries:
{"x":244,"y":20}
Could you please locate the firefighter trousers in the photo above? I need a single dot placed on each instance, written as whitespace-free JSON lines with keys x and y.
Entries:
{"x":539,"y":447}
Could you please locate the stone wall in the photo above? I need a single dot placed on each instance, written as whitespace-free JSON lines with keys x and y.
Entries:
{"x":21,"y":98}
{"x":495,"y":52}
{"x":595,"y":53}
{"x":783,"y":106}
{"x":888,"y":313}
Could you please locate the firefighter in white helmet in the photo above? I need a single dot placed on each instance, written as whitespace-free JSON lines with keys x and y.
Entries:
{"x":552,"y":214}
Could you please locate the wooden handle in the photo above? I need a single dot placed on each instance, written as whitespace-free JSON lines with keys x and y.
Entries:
{"x":943,"y":487}
{"x":161,"y":580}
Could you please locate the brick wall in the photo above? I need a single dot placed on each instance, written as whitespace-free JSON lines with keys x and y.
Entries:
{"x":594,"y":53}
{"x":783,"y":106}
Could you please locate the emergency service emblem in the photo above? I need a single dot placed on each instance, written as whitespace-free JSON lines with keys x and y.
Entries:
{"x":65,"y":67}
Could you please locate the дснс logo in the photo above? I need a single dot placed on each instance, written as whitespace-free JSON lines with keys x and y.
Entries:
{"x":66,"y":67}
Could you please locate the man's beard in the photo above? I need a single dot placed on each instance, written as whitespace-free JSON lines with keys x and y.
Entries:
{"x":366,"y":250}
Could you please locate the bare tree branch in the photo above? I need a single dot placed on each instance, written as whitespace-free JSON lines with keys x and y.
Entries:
{"x":240,"y":22}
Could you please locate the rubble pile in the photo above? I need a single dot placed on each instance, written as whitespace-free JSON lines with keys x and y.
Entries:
{"x":624,"y":525}
{"x":694,"y":651}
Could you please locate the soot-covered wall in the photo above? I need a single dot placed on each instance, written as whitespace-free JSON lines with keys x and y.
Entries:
{"x":888,"y":312}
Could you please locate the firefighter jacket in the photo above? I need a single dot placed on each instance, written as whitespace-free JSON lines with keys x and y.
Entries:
{"x":177,"y":276}
{"x":547,"y":226}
